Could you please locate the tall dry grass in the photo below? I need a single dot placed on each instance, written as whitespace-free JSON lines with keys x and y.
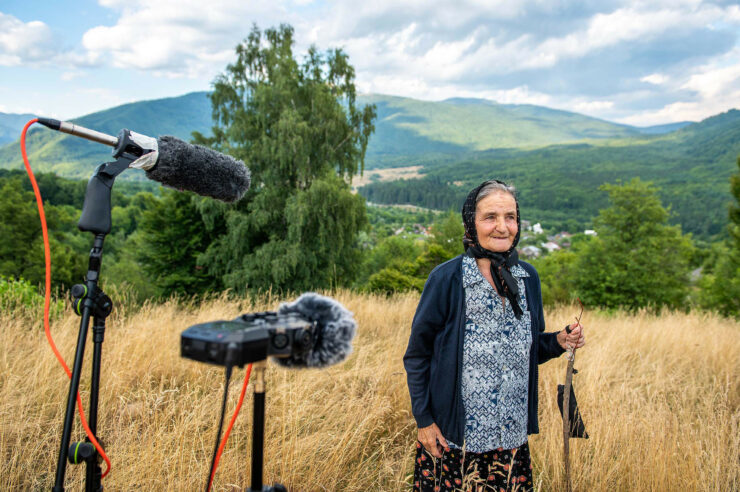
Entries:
{"x":660,"y":396}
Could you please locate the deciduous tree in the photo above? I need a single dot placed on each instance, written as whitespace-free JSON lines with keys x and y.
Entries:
{"x":297,"y":127}
{"x":637,"y":260}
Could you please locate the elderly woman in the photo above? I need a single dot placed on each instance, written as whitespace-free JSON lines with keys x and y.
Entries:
{"x":476,"y":340}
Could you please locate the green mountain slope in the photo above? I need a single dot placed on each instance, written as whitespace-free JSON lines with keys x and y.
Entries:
{"x":559,"y":184}
{"x":408,"y":131}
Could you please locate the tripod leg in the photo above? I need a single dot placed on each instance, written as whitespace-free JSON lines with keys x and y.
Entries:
{"x":93,"y":271}
{"x":258,"y":425}
{"x":74,"y":386}
{"x":93,"y":469}
{"x":258,"y":432}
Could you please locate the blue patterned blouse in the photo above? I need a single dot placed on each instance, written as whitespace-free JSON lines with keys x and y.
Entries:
{"x":495,"y":364}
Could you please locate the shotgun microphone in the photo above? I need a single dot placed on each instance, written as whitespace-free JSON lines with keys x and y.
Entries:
{"x":171,"y":161}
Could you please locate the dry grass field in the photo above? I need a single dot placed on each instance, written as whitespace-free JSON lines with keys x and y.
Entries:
{"x":660,"y":396}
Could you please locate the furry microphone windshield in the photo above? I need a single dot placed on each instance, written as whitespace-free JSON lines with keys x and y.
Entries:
{"x":195,"y":168}
{"x":336,"y":329}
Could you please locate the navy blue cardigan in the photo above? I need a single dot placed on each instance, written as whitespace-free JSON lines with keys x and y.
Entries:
{"x":433,"y":359}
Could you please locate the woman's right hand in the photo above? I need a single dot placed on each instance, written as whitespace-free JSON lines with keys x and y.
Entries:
{"x":433,"y":440}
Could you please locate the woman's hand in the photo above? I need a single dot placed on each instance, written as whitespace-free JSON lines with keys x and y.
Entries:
{"x":432,"y":440}
{"x":574,"y":339}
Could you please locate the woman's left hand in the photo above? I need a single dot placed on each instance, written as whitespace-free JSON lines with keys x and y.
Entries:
{"x":574,"y":339}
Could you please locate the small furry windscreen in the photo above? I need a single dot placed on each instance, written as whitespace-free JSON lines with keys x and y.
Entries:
{"x":336,"y":329}
{"x":195,"y":168}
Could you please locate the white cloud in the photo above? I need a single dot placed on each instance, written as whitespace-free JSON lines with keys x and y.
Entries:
{"x":518,"y":95}
{"x":679,"y":111}
{"x":718,"y":78}
{"x":24,"y":42}
{"x":418,"y":88}
{"x":175,"y":38}
{"x":593,"y":107}
{"x":716,"y":86}
{"x":732,"y":14}
{"x":619,"y":26}
{"x":436,"y":39}
{"x":21,"y":109}
{"x":482,"y":54}
{"x":655,"y":79}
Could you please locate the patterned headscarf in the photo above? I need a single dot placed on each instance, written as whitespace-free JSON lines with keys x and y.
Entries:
{"x":501,"y":263}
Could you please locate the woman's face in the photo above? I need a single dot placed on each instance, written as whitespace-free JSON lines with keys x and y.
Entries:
{"x":495,"y":221}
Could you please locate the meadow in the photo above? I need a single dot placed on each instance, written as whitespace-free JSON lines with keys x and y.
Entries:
{"x":659,"y":394}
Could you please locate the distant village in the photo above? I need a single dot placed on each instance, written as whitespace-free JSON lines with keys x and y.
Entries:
{"x":532,"y":243}
{"x":533,"y":234}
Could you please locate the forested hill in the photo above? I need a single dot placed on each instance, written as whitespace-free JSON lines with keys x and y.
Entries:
{"x":559,"y":184}
{"x":406,"y":130}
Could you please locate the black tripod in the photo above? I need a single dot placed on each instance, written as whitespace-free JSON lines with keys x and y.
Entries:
{"x":258,"y":432}
{"x":90,"y":302}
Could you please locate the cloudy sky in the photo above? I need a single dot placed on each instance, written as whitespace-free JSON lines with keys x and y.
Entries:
{"x":636,"y":62}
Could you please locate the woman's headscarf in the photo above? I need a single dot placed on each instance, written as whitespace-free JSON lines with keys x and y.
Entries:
{"x":501,"y":263}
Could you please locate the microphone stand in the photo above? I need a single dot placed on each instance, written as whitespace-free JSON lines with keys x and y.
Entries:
{"x":90,"y":302}
{"x":258,"y":432}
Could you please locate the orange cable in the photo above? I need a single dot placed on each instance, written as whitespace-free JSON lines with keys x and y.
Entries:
{"x":47,"y":293}
{"x":231,"y":424}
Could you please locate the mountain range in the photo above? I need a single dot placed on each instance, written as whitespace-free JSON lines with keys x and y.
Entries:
{"x":405,"y":130}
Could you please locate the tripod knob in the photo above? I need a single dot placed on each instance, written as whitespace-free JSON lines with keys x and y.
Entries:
{"x":80,"y":452}
{"x":77,"y":293}
{"x":78,"y":290}
{"x":104,"y":306}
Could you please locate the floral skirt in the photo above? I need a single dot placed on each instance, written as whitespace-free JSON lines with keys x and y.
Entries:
{"x":497,"y":470}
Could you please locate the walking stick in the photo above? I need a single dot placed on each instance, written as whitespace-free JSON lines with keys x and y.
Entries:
{"x":569,"y":408}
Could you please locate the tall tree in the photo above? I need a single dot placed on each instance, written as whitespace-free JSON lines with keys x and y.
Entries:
{"x":720,"y":286}
{"x":297,"y":127}
{"x":637,"y":260}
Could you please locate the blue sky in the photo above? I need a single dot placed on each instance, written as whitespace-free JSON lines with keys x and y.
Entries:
{"x":634,"y":62}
